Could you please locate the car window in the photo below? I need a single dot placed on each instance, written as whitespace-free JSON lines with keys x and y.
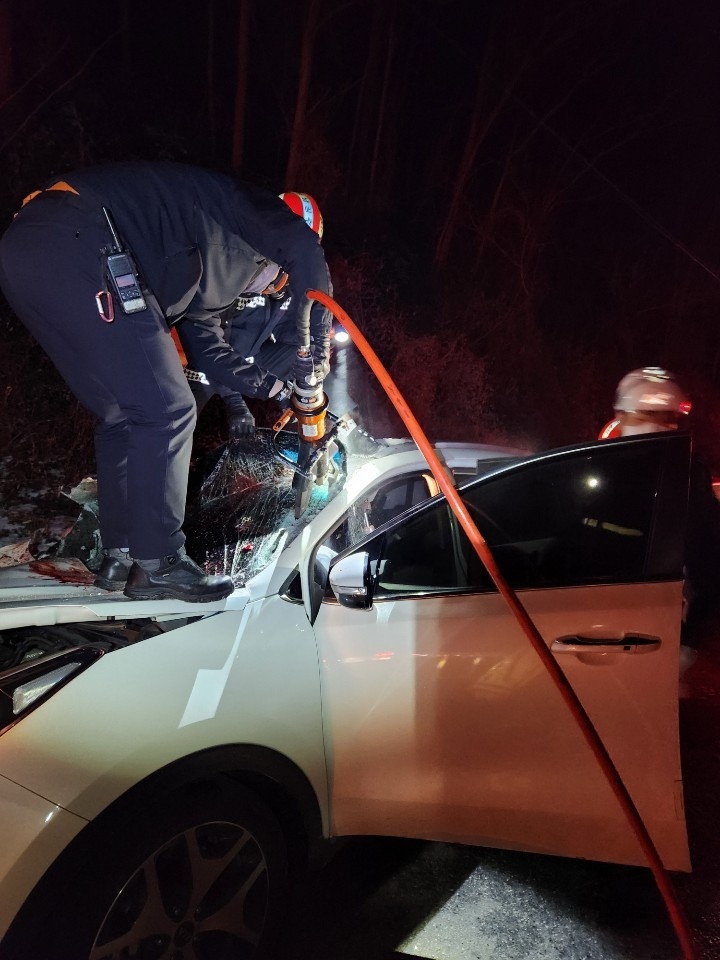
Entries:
{"x":421,"y":554}
{"x":580,"y":518}
{"x":378,"y":507}
{"x":398,"y":496}
{"x":482,"y":467}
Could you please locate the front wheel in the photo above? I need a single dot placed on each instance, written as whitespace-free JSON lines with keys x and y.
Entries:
{"x":198,"y":878}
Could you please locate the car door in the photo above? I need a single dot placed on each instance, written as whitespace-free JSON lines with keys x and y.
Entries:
{"x":441,"y":722}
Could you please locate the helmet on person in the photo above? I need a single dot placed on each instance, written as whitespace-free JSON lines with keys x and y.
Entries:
{"x":304,"y":206}
{"x":651,"y":389}
{"x":611,"y":430}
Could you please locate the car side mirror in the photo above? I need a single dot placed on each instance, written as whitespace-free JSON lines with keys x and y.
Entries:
{"x":351,"y":581}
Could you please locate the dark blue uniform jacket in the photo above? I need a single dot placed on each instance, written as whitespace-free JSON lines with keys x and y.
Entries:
{"x":200,"y":239}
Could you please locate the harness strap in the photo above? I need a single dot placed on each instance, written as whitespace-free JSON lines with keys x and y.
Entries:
{"x":60,"y":185}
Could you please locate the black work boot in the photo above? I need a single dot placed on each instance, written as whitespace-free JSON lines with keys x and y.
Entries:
{"x":176,"y":577}
{"x":114,"y":569}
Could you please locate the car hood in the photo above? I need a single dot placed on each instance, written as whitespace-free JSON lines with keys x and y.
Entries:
{"x":240,"y":521}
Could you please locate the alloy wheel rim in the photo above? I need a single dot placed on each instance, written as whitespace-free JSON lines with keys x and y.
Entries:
{"x":203,"y":895}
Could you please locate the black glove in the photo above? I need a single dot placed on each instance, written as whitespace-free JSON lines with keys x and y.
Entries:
{"x":241,"y":422}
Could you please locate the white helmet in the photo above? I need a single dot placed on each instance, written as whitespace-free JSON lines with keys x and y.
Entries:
{"x":651,"y":388}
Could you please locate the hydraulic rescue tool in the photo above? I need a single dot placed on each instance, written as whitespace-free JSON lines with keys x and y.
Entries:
{"x":308,"y":404}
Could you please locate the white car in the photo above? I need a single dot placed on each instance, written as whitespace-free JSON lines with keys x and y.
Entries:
{"x":169,"y":770}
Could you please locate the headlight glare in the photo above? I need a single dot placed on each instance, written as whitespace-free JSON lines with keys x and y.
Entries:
{"x":27,"y":693}
{"x":27,"y":686}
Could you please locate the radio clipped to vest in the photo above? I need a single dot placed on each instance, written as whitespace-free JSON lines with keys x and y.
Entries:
{"x":122,"y":273}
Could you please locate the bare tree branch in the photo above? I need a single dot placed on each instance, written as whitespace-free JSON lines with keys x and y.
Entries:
{"x":109,"y":39}
{"x":38,"y":72}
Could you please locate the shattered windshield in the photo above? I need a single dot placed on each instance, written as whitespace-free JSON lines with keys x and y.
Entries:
{"x":243,"y":512}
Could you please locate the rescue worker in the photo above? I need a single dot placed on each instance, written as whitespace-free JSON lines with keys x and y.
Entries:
{"x":199,"y":239}
{"x":259,"y":327}
{"x":649,"y":400}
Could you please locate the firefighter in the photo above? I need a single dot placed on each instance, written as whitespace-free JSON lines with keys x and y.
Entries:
{"x":198,"y":239}
{"x":649,"y":400}
{"x":259,"y":327}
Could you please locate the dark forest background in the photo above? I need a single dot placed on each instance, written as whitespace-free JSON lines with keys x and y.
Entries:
{"x":520,"y":196}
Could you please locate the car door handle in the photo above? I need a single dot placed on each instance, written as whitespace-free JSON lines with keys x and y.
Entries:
{"x":628,"y":643}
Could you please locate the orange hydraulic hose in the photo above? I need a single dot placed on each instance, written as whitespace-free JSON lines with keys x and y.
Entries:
{"x":603,"y":758}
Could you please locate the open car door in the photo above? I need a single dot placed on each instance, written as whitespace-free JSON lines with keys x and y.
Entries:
{"x":440,"y":720}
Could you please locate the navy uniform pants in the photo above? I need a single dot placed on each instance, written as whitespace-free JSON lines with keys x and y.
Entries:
{"x":127,"y":372}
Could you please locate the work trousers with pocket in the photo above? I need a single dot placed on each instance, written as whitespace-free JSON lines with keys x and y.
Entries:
{"x":127,"y":372}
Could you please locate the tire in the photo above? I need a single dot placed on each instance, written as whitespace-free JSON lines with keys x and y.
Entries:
{"x":202,"y":877}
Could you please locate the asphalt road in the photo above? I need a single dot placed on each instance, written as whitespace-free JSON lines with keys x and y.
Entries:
{"x":382,"y":899}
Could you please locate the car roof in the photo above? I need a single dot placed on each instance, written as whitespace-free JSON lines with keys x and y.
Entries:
{"x":456,"y":454}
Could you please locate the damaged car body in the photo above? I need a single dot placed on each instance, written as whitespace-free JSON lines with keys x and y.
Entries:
{"x":175,"y":767}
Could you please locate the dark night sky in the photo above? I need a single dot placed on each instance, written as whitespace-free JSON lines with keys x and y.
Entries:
{"x":600,"y":129}
{"x":634,"y":84}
